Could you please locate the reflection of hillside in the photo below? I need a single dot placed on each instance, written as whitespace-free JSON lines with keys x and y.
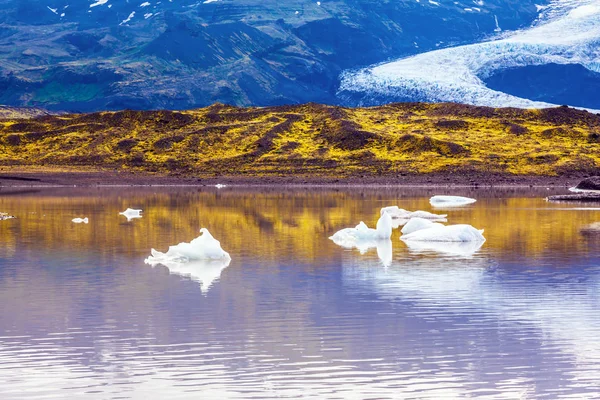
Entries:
{"x":294,"y":221}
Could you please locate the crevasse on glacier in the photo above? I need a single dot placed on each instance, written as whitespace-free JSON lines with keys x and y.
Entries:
{"x":566,"y":32}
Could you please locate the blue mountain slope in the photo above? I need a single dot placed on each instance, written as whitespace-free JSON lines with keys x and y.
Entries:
{"x":108,"y":54}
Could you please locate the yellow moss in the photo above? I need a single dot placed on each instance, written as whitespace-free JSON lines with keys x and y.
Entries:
{"x":308,"y":139}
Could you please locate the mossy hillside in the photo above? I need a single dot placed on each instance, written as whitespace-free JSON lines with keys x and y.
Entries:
{"x":311,"y":139}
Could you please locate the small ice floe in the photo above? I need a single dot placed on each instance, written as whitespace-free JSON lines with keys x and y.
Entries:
{"x":5,"y":216}
{"x":444,"y":233}
{"x":400,"y":213}
{"x":80,"y":220}
{"x":220,"y":186}
{"x":417,"y":224}
{"x":202,"y":259}
{"x":401,"y":216}
{"x":131,"y":213}
{"x":364,"y":238}
{"x":450,"y":201}
{"x":204,"y":247}
{"x":362,"y":232}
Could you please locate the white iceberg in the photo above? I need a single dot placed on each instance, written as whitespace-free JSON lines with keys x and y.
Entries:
{"x":450,"y":233}
{"x":417,"y":224}
{"x":80,"y":220}
{"x":363,"y":233}
{"x":450,"y":201}
{"x":401,"y":216}
{"x":5,"y":216}
{"x":131,"y":213}
{"x":201,"y":260}
{"x":204,"y":247}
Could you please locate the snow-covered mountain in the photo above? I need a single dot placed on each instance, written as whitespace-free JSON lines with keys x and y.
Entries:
{"x":562,"y":45}
{"x":87,"y":55}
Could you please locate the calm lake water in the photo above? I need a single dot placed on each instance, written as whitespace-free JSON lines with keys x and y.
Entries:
{"x":294,"y":315}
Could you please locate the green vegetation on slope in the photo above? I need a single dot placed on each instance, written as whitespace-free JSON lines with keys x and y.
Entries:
{"x":311,"y":140}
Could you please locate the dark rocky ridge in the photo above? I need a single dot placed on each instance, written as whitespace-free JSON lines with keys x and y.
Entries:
{"x":591,"y":183}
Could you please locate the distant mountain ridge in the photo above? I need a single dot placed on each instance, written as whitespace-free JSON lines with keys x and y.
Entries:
{"x":115,"y":54}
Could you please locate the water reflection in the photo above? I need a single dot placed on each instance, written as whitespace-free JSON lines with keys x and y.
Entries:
{"x":294,"y":315}
{"x":465,"y":249}
{"x":383,"y":247}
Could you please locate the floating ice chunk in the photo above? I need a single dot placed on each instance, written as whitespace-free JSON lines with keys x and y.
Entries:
{"x":464,"y":249}
{"x":220,"y":186}
{"x":450,"y":201}
{"x":400,"y":213}
{"x":416,"y":224}
{"x":80,"y":220}
{"x":204,"y":247}
{"x":131,"y":213}
{"x":202,"y":259}
{"x":363,"y":233}
{"x":5,"y":216}
{"x":450,"y":233}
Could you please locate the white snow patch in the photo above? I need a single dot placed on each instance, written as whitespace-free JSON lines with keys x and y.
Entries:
{"x":98,"y":3}
{"x":128,"y":18}
{"x":144,"y":4}
{"x":54,"y":10}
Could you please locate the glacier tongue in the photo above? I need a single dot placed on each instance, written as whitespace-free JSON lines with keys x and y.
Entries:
{"x":567,"y":32}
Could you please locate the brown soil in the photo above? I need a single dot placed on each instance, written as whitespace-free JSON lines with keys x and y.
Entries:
{"x":117,"y":178}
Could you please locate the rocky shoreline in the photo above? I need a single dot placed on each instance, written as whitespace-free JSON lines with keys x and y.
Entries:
{"x":22,"y":178}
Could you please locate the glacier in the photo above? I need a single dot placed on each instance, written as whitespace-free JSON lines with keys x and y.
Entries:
{"x":565,"y":32}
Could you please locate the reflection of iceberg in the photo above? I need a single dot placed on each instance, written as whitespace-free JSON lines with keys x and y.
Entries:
{"x":131,"y":213}
{"x":565,"y":309}
{"x":202,"y":271}
{"x":383,"y":246}
{"x":450,"y":201}
{"x":464,"y":249}
{"x":363,"y":233}
{"x":204,"y":247}
{"x":591,"y":230}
